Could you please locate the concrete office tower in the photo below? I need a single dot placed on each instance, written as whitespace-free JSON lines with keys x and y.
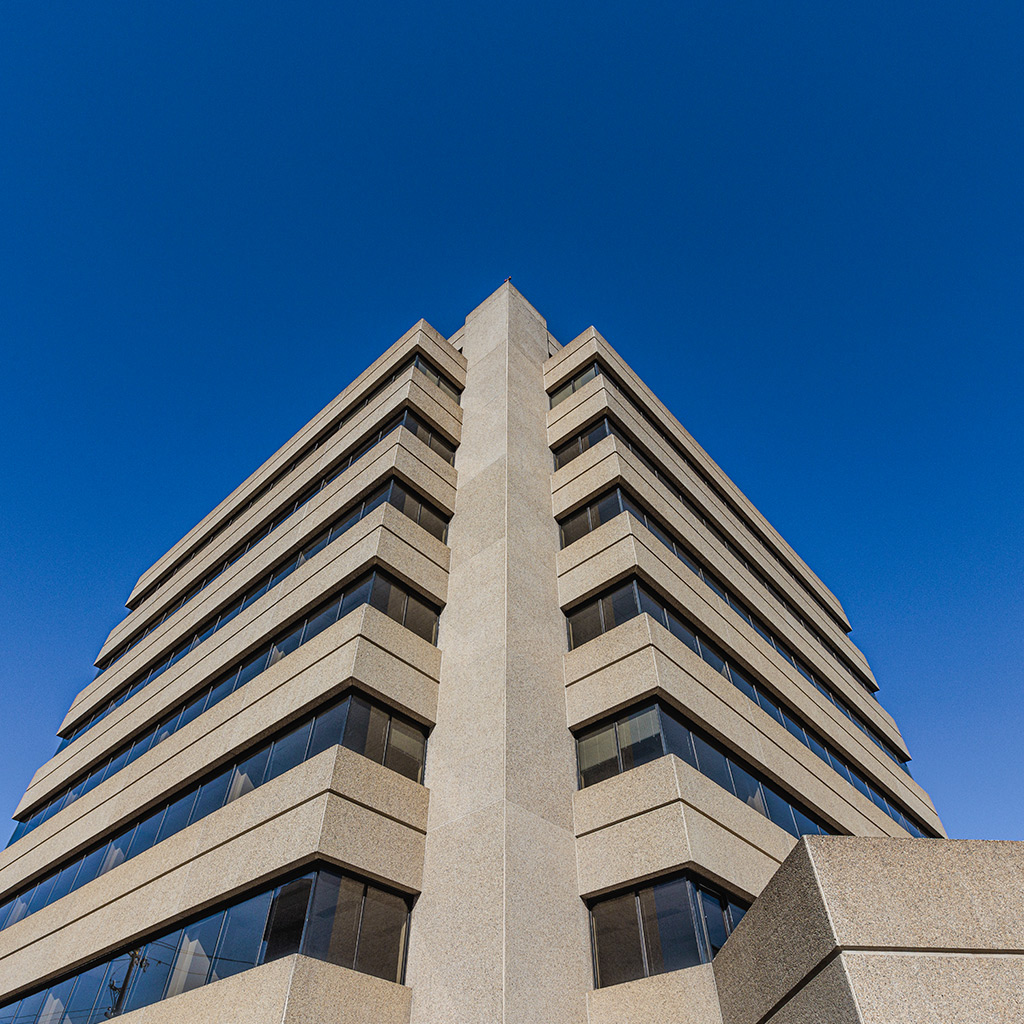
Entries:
{"x":489,"y":698}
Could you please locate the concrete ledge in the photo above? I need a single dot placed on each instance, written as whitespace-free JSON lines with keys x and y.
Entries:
{"x":339,"y":807}
{"x":617,"y":465}
{"x":624,"y":546}
{"x":292,"y":990}
{"x":592,"y":345}
{"x":885,"y":932}
{"x":366,"y":649}
{"x":678,"y":997}
{"x":640,"y":659}
{"x":421,"y":337}
{"x":665,"y":816}
{"x":385,"y":539}
{"x":399,"y":454}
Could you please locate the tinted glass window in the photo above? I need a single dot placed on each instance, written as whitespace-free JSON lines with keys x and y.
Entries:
{"x":366,"y":730}
{"x":598,"y":757}
{"x":322,"y":619}
{"x":191,"y":966}
{"x":248,"y":775}
{"x":577,"y":525}
{"x":780,"y":811}
{"x":211,"y":795}
{"x":616,"y":930}
{"x":640,"y":738}
{"x":619,"y":606}
{"x":683,"y":632}
{"x":747,"y":788}
{"x":421,"y":619}
{"x":382,"y":934}
{"x":714,"y":919}
{"x":288,"y":751}
{"x":147,"y":986}
{"x":328,"y":728}
{"x":84,"y":996}
{"x":584,"y":624}
{"x":176,"y":816}
{"x":241,"y":936}
{"x":668,"y":927}
{"x":677,"y":739}
{"x":406,"y":745}
{"x":433,"y":522}
{"x":333,"y":927}
{"x":712,"y":763}
{"x":55,"y":1003}
{"x":287,"y":914}
{"x":146,"y":833}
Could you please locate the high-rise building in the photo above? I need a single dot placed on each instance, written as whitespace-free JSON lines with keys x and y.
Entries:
{"x":490,"y":698}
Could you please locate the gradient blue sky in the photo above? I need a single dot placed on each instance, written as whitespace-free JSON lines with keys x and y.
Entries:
{"x":801,"y":223}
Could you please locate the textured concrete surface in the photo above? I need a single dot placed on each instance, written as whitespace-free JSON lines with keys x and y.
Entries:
{"x":665,"y":816}
{"x":679,"y":997}
{"x":421,"y":337}
{"x":292,"y":990}
{"x":366,"y":649}
{"x":259,"y":562}
{"x":338,"y":807}
{"x":882,"y":931}
{"x":641,"y":659}
{"x":503,"y":851}
{"x":398,"y":454}
{"x":385,"y":538}
{"x":589,"y":345}
{"x":500,"y":933}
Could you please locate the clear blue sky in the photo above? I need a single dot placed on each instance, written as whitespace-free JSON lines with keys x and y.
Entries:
{"x":800,"y":222}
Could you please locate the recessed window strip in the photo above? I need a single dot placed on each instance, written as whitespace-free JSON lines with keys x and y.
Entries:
{"x":405,"y":419}
{"x":376,"y":588}
{"x":636,"y":737}
{"x":596,"y":369}
{"x":627,"y":600}
{"x":605,"y":427}
{"x":417,"y":362}
{"x":662,"y":926}
{"x":617,"y":501}
{"x":363,"y":725}
{"x":324,"y":913}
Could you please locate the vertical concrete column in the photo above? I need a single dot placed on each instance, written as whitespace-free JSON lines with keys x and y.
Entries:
{"x":499,"y":933}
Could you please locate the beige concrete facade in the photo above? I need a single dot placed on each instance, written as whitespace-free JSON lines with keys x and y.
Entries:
{"x":499,"y":853}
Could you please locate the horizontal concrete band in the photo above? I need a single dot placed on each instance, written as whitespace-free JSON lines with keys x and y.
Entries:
{"x":853,"y":920}
{"x":366,"y":649}
{"x":399,"y":454}
{"x":664,"y":817}
{"x":571,"y":414}
{"x":433,"y":477}
{"x":385,"y":539}
{"x":338,"y":807}
{"x":421,"y":337}
{"x":645,"y":661}
{"x":610,"y":463}
{"x":292,"y":990}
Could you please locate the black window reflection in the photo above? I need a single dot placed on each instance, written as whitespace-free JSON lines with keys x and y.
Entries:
{"x":666,"y":926}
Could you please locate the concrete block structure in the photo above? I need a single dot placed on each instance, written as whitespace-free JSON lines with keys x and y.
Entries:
{"x":490,"y":698}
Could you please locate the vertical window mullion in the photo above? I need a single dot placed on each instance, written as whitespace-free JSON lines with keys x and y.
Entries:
{"x":643,"y":937}
{"x":359,"y":928}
